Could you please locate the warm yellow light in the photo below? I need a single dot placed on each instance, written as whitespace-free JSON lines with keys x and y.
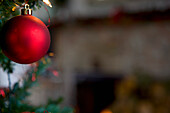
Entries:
{"x":51,"y":54}
{"x":14,"y":8}
{"x":106,"y":111}
{"x":47,"y":2}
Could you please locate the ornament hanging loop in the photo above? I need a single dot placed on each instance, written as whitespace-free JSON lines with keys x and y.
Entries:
{"x":27,"y":6}
{"x":26,"y":10}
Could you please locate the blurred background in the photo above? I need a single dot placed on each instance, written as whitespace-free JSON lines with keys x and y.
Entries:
{"x":111,"y":56}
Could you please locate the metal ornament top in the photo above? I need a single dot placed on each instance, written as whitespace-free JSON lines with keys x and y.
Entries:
{"x":26,"y":10}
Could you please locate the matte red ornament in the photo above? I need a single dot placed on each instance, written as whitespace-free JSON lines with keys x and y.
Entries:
{"x":25,"y":39}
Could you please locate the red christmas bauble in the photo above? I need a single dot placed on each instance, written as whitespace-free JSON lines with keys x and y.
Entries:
{"x":25,"y":39}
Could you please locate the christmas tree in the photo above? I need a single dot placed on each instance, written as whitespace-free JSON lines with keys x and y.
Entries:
{"x":13,"y":100}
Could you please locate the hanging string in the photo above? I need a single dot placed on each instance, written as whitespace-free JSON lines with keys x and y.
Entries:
{"x":9,"y":99}
{"x":48,"y":15}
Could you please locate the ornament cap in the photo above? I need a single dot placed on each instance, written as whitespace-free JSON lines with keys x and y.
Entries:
{"x":26,"y":10}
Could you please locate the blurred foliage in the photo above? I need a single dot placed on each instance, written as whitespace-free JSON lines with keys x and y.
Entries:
{"x":19,"y":93}
{"x":5,"y":63}
{"x":141,"y":93}
{"x":8,"y":9}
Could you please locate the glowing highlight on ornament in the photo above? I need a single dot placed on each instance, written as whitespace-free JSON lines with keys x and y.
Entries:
{"x":47,"y":2}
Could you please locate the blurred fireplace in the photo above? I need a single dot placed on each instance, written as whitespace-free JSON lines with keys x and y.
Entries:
{"x":95,"y":92}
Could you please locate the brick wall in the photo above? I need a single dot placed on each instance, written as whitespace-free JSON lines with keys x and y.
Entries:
{"x":118,"y":48}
